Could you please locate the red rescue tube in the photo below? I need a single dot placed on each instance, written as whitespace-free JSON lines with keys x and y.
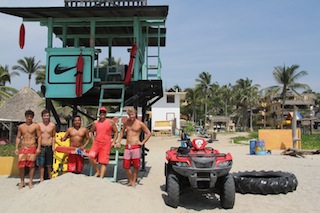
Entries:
{"x":22,"y":36}
{"x":131,"y":63}
{"x":79,"y":74}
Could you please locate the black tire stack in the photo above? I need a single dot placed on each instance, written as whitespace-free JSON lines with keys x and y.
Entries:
{"x":265,"y":182}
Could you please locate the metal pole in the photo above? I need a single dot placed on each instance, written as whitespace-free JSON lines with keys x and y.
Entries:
{"x":294,"y":127}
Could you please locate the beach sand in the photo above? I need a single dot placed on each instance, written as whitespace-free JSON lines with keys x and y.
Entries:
{"x":82,"y":193}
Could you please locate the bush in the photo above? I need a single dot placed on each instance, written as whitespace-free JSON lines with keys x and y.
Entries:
{"x":7,"y":150}
{"x":189,"y":129}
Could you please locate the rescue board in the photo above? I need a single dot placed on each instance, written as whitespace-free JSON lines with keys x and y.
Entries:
{"x":60,"y":159}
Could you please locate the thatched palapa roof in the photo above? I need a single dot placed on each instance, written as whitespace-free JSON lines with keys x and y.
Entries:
{"x":14,"y":108}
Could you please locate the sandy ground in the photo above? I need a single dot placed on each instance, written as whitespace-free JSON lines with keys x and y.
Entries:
{"x":82,"y":193}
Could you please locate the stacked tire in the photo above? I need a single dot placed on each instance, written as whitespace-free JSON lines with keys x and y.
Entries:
{"x":265,"y":182}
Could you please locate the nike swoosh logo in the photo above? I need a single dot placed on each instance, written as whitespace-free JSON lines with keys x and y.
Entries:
{"x":59,"y":70}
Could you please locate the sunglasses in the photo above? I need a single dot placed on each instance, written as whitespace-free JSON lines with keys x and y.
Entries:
{"x":102,"y":112}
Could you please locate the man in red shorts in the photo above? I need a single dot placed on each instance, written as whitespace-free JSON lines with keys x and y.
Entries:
{"x":77,"y":134}
{"x":102,"y":142}
{"x":133,"y":128}
{"x":29,"y":134}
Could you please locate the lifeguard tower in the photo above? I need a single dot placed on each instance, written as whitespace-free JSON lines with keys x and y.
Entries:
{"x":73,"y":76}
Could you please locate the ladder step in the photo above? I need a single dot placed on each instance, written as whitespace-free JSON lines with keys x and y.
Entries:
{"x":113,"y":162}
{"x":112,"y":86}
{"x":114,"y":114}
{"x":153,"y":56}
{"x":111,"y":100}
{"x":153,"y":75}
{"x":153,"y":67}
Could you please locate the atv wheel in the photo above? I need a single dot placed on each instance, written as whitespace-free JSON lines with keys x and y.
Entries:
{"x":265,"y":182}
{"x":228,"y":192}
{"x":173,"y":190}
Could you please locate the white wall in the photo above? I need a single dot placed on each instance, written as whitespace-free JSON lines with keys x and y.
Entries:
{"x":161,"y":110}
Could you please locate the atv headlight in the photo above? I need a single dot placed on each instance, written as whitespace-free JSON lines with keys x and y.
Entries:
{"x":182,"y":164}
{"x":225,"y":163}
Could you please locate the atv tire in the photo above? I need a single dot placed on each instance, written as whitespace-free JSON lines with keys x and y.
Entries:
{"x":265,"y":182}
{"x":173,"y":190}
{"x":227,"y":191}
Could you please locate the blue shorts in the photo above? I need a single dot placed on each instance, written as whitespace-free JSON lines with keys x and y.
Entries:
{"x":45,"y":158}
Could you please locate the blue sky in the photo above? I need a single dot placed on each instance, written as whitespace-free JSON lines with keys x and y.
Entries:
{"x":230,"y":39}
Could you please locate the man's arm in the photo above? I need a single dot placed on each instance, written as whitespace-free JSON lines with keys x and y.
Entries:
{"x":66,"y":135}
{"x":18,"y":138}
{"x":53,"y":136}
{"x":123,"y":129}
{"x":147,"y":132}
{"x":88,"y":138}
{"x":93,"y":129}
{"x":39,"y":137}
{"x":115,"y":130}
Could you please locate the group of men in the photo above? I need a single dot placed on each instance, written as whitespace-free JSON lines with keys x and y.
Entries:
{"x":38,"y":144}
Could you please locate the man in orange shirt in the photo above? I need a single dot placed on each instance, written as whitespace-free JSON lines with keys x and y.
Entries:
{"x":102,"y":142}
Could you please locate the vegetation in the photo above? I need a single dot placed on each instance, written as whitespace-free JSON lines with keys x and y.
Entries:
{"x":189,"y":129}
{"x":29,"y":66}
{"x":310,"y":141}
{"x":7,"y":150}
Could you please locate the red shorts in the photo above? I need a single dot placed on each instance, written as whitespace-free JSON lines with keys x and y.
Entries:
{"x":75,"y":163}
{"x":27,"y":157}
{"x":132,"y":154}
{"x":100,"y":150}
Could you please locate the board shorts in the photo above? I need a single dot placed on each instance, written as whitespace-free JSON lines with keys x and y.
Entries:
{"x":45,"y":158}
{"x":131,"y":156}
{"x":27,"y":157}
{"x":75,"y":163}
{"x":101,"y":152}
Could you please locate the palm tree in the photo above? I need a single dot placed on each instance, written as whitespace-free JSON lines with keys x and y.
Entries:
{"x":5,"y":75}
{"x":41,"y":77}
{"x":225,"y":95}
{"x":204,"y":82}
{"x":246,"y":95}
{"x":191,"y":103}
{"x":29,"y":66}
{"x":287,"y":77}
{"x":6,"y":92}
{"x":109,"y":62}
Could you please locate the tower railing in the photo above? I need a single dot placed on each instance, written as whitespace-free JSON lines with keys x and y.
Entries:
{"x":104,"y":3}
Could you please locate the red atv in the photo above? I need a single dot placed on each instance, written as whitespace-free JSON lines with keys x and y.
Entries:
{"x":201,"y":168}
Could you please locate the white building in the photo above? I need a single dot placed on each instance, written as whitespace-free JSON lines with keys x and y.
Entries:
{"x":168,"y":109}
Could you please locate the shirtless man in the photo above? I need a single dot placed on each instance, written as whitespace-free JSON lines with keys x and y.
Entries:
{"x":48,"y":135}
{"x":102,"y":142}
{"x":29,"y":134}
{"x":133,"y":127}
{"x":77,"y":134}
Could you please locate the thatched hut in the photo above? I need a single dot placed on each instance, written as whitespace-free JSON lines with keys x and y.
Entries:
{"x":12,"y":111}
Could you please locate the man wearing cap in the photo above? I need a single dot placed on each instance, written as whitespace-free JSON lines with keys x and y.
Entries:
{"x":102,"y":143}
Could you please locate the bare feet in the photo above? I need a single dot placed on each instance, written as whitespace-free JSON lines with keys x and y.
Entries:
{"x":97,"y":174}
{"x":131,"y":184}
{"x":21,"y":185}
{"x":30,"y":186}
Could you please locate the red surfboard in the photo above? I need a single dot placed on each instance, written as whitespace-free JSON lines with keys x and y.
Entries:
{"x":131,"y":63}
{"x":71,"y":150}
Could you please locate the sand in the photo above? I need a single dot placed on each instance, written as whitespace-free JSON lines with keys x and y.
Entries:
{"x":82,"y":193}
